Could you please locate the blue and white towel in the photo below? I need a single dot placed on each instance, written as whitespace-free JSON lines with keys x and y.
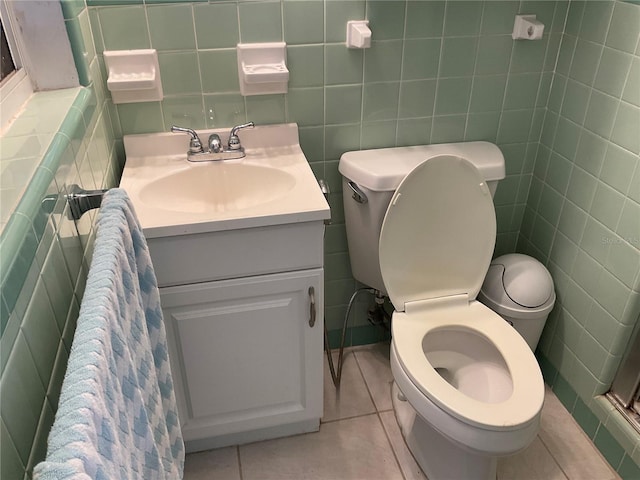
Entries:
{"x":117,"y":416}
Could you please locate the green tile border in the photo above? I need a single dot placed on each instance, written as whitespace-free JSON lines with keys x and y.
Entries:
{"x":600,"y":421}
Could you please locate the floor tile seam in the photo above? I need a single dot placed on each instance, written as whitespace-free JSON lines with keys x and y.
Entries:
{"x":364,"y":379}
{"x":393,"y":450}
{"x":350,"y":417}
{"x":564,"y":474}
{"x":239,"y":461}
{"x":589,"y":442}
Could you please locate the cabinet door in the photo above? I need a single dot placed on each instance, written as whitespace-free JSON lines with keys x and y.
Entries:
{"x":247,"y":357}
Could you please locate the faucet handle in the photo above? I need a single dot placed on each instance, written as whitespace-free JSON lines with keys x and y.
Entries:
{"x":234,"y":141}
{"x":195,"y":145}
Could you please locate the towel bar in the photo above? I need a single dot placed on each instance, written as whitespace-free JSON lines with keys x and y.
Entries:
{"x":81,"y":201}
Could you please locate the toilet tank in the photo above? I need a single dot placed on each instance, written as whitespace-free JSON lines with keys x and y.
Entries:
{"x":369,"y":179}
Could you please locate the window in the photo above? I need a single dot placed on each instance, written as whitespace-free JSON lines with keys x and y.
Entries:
{"x":7,"y":65}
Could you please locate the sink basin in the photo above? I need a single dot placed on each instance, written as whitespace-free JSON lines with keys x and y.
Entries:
{"x":217,"y":187}
{"x":272,"y":185}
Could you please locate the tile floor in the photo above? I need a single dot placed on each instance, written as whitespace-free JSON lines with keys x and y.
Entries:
{"x":359,"y":439}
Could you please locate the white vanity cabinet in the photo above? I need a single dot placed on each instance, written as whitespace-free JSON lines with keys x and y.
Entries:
{"x":237,"y":247}
{"x":246,"y":351}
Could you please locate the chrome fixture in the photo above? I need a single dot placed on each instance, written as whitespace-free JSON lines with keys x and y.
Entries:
{"x":358,"y":195}
{"x":81,"y":200}
{"x":234,"y":140}
{"x":216,"y":151}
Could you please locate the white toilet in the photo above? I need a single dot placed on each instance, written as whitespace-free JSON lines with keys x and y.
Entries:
{"x":421,"y":227}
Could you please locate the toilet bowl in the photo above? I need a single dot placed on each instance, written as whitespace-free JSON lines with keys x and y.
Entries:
{"x":467,"y":388}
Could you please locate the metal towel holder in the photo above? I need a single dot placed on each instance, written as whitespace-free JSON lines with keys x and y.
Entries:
{"x":81,"y":200}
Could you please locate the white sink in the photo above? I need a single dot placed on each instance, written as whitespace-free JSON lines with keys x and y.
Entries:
{"x":217,"y":187}
{"x":272,"y":185}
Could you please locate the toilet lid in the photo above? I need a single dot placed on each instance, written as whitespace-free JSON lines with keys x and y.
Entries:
{"x":438,"y":233}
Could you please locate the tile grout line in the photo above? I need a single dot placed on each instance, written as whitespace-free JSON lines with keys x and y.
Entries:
{"x":377,"y":413}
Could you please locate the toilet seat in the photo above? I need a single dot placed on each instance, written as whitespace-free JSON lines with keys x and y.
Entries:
{"x":527,"y":396}
{"x":435,"y":248}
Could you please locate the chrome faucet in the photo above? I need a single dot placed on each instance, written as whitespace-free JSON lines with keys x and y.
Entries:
{"x":216,"y":151}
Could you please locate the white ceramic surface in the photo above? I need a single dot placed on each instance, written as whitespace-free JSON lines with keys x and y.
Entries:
{"x":272,"y":185}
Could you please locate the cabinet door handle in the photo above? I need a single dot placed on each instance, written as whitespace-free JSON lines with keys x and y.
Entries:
{"x":312,"y":307}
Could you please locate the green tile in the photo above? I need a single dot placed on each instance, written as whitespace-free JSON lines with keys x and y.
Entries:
{"x":628,"y":469}
{"x":424,"y":19}
{"x":453,"y":95}
{"x":421,"y":58}
{"x":71,"y":8}
{"x":335,"y":241}
{"x":482,"y":126}
{"x":386,"y":18}
{"x":612,"y":72}
{"x":416,"y":131}
{"x":216,"y":25}
{"x":602,"y":325}
{"x":306,"y":65}
{"x":449,"y":128}
{"x":565,"y":55}
{"x":462,"y":18}
{"x":57,"y":283}
{"x":303,"y":21}
{"x":343,"y":65}
{"x":337,"y":266}
{"x":305,"y":106}
{"x":487,"y":93}
{"x":544,"y":10}
{"x":341,"y":138}
{"x":79,"y":50}
{"x":572,"y":221}
{"x":595,"y":20}
{"x":631,"y":91}
{"x":173,"y":71}
{"x":266,"y":109}
{"x":498,"y":17}
{"x":39,"y":449}
{"x":98,"y":3}
{"x":417,"y":98}
{"x":623,"y":30}
{"x":553,"y":50}
{"x":514,"y":126}
{"x":494,"y":54}
{"x":458,"y":56}
{"x":629,"y":225}
{"x":337,"y":14}
{"x":379,"y":134}
{"x":312,"y":144}
{"x":522,"y":91}
{"x":260,"y":22}
{"x":582,"y":188}
{"x":611,"y":293}
{"x":219,"y":71}
{"x":559,"y":16}
{"x":343,"y":104}
{"x":171,"y":27}
{"x":608,"y":446}
{"x":22,"y":396}
{"x":576,"y":99}
{"x":591,"y":152}
{"x":567,"y":136}
{"x":564,"y":392}
{"x":592,"y":241}
{"x":558,"y":173}
{"x":124,"y":28}
{"x":383,"y":61}
{"x":601,"y":114}
{"x":140,"y":117}
{"x":380,"y":101}
{"x":623,"y":259}
{"x":11,"y":466}
{"x":184,"y":110}
{"x":619,"y":167}
{"x":625,"y":128}
{"x":584,"y":64}
{"x":528,"y":56}
{"x":574,"y":17}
